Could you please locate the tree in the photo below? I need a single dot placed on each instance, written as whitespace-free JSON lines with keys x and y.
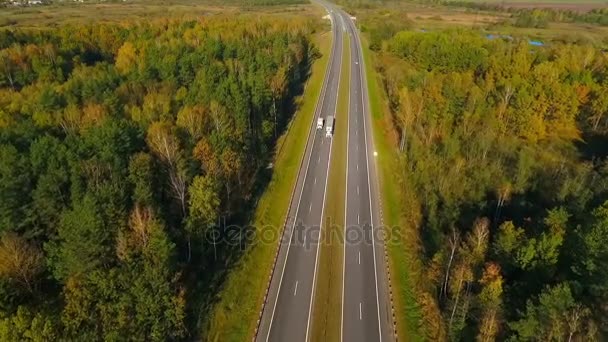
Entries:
{"x":143,"y":178}
{"x":82,"y":243}
{"x":15,"y":186}
{"x":555,"y":317}
{"x":278,"y":85}
{"x":126,"y":58}
{"x":26,"y":325}
{"x":490,"y":299}
{"x":20,"y":261}
{"x":165,"y":145}
{"x":204,"y":200}
{"x":193,"y":120}
{"x":204,"y":207}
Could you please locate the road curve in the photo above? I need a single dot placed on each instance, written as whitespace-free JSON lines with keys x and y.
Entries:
{"x":287,"y":310}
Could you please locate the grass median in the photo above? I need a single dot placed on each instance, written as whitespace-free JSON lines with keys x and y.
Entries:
{"x":235,"y":315}
{"x":394,"y":206}
{"x":327,"y":311}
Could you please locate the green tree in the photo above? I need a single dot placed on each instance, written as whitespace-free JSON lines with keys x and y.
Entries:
{"x":556,"y":316}
{"x":82,"y":242}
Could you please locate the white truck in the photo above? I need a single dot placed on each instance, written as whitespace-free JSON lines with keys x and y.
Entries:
{"x":320,"y":122}
{"x":329,"y":127}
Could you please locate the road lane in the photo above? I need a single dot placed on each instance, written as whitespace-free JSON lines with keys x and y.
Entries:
{"x":286,"y":315}
{"x":366,"y":315}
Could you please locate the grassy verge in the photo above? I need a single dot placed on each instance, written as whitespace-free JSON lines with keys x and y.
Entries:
{"x":235,"y":315}
{"x":401,"y":257}
{"x":327,"y":310}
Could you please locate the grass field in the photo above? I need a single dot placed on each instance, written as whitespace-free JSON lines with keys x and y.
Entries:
{"x":408,"y":314}
{"x":572,"y":2}
{"x":327,"y":311}
{"x":235,"y":315}
{"x":436,"y":17}
{"x":138,"y":10}
{"x":572,"y":5}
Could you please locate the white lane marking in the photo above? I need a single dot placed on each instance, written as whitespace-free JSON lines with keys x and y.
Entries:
{"x":357,"y":167}
{"x":318,"y":160}
{"x":357,"y":189}
{"x":359,"y":261}
{"x":318,"y":108}
{"x":314,"y":276}
{"x":296,"y":289}
{"x":345,"y":216}
{"x":304,"y":239}
{"x":360,"y":312}
{"x":310,"y":207}
{"x":315,"y":180}
{"x":357,"y":218}
{"x":371,"y":211}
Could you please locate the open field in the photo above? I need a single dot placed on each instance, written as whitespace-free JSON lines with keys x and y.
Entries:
{"x":234,"y":317}
{"x":579,"y":6}
{"x":328,"y":297}
{"x":138,"y":10}
{"x":564,"y":5}
{"x":435,"y":17}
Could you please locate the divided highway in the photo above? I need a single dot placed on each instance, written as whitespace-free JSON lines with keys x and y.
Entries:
{"x":366,"y":315}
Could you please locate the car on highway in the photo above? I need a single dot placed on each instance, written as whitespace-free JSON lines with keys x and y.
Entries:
{"x":329,"y":128}
{"x":320,"y":122}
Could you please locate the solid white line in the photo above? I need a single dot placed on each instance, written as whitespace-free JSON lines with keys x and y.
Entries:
{"x":314,"y":276}
{"x":296,"y":290}
{"x":317,"y":114}
{"x":371,"y":211}
{"x":360,"y":312}
{"x":359,"y":257}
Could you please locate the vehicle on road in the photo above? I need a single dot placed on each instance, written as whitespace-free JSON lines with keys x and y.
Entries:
{"x":320,"y":122}
{"x":329,"y":128}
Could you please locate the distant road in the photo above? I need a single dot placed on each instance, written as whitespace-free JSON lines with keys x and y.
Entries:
{"x":287,"y":311}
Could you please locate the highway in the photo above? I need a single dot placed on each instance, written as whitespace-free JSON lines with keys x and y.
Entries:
{"x":287,"y":311}
{"x":365,"y":311}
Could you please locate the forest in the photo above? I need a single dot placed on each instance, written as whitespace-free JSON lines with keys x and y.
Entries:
{"x":121,"y":147}
{"x":502,"y":154}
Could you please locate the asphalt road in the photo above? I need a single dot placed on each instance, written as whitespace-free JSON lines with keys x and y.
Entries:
{"x":365,"y":310}
{"x":287,"y":311}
